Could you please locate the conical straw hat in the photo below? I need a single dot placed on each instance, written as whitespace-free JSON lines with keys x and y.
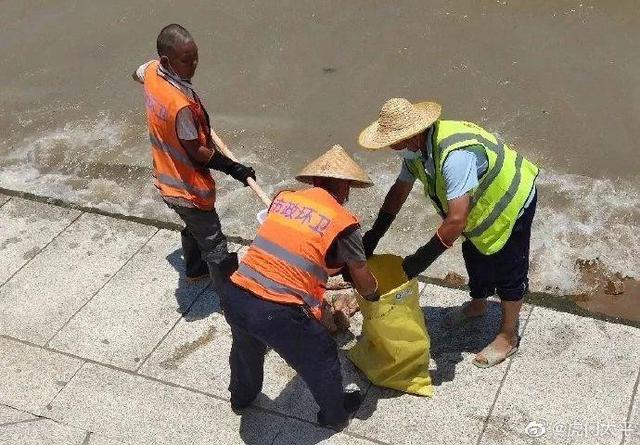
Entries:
{"x":335,"y":163}
{"x":399,"y":120}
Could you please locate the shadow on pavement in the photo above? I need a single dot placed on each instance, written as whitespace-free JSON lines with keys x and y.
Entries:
{"x":193,"y":302}
{"x":448,"y":344}
{"x":447,"y":347}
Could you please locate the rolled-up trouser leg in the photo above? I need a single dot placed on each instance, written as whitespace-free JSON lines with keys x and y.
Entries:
{"x":194,"y":264}
{"x":204,"y":226}
{"x":480,"y":270}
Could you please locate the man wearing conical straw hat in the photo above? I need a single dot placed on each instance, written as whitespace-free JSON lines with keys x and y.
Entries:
{"x":483,"y":191}
{"x":276,"y":297}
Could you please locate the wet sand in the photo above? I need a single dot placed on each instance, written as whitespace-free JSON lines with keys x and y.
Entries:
{"x":608,"y":293}
{"x":625,"y":305}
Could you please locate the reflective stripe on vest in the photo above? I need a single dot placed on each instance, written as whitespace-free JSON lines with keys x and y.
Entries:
{"x":178,"y":155}
{"x":271,"y":285}
{"x":177,"y":175}
{"x":291,"y":258}
{"x":173,"y":182}
{"x":286,"y":262}
{"x":501,"y":192}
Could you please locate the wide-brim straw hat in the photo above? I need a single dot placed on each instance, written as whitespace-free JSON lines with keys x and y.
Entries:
{"x":399,"y":119}
{"x":337,"y":164}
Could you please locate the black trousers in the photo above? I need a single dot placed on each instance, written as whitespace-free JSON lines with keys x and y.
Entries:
{"x":298,"y":338}
{"x":204,"y":246}
{"x":506,"y":272}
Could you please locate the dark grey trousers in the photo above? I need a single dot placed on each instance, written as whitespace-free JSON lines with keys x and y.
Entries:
{"x":300,"y":340}
{"x":204,"y":246}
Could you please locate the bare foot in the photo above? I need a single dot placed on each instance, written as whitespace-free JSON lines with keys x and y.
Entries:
{"x":501,"y":345}
{"x":475,"y":307}
{"x":465,"y":313}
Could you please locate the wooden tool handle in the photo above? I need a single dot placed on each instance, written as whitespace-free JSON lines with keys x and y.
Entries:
{"x":252,"y":183}
{"x":258,"y":191}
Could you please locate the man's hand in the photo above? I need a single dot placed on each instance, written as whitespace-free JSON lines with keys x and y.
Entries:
{"x":135,"y":77}
{"x":234,"y":169}
{"x":372,"y":237}
{"x":242,"y":173}
{"x":327,"y":317}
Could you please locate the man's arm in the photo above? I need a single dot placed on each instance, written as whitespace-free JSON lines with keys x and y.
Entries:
{"x":363,"y":280}
{"x":138,"y":74}
{"x":347,"y":252}
{"x":393,"y":202}
{"x":396,"y":197}
{"x":460,"y":176}
{"x":199,"y":153}
{"x":210,"y":158}
{"x":453,"y":225}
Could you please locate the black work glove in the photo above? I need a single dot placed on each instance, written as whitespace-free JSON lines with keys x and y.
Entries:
{"x":234,"y":169}
{"x":372,"y":236}
{"x":414,"y":264}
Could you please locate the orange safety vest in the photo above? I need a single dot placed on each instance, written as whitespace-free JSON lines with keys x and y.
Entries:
{"x":176,"y":174}
{"x":286,"y":261}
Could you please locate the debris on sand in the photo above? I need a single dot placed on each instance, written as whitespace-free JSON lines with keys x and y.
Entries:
{"x":343,"y":306}
{"x":609,"y":293}
{"x":454,"y":280}
{"x":614,"y":287}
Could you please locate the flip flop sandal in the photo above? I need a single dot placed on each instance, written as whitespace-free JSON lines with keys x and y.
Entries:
{"x":494,"y":357}
{"x":457,"y":317}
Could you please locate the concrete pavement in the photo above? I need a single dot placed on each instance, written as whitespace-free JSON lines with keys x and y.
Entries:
{"x":102,"y":341}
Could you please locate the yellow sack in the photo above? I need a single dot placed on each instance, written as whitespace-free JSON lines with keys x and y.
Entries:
{"x":393,"y":350}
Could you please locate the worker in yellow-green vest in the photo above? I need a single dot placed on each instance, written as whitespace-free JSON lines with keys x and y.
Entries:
{"x":482,"y":189}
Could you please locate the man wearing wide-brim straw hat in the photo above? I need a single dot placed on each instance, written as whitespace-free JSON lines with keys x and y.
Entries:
{"x":276,"y":297}
{"x":481,"y":188}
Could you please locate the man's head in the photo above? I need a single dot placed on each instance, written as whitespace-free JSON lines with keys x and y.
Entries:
{"x":335,"y":172}
{"x":178,"y":51}
{"x":413,"y":143}
{"x":338,"y":188}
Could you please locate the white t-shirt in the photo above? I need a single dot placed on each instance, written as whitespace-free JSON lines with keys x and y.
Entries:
{"x":185,"y":121}
{"x":462,"y":170}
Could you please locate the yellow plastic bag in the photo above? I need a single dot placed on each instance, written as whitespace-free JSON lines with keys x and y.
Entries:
{"x":393,"y":350}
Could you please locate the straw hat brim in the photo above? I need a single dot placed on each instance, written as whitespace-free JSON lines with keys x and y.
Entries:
{"x":356,"y":183}
{"x":374,"y":137}
{"x":335,"y":164}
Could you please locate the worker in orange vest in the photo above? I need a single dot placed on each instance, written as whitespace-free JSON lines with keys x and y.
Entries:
{"x":183,"y":146}
{"x":275,"y":298}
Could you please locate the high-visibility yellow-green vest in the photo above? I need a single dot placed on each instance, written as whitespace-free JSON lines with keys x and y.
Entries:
{"x":501,"y":192}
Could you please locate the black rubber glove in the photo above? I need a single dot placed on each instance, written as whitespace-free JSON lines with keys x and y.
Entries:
{"x":414,"y":264}
{"x":372,"y":236}
{"x":234,"y":169}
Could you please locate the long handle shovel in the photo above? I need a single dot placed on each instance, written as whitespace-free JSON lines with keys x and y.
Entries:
{"x":253,"y":184}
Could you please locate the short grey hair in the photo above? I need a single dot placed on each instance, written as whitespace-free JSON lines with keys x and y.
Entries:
{"x":169,"y":36}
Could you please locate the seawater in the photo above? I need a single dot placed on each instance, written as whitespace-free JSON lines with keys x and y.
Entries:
{"x":578,"y":217}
